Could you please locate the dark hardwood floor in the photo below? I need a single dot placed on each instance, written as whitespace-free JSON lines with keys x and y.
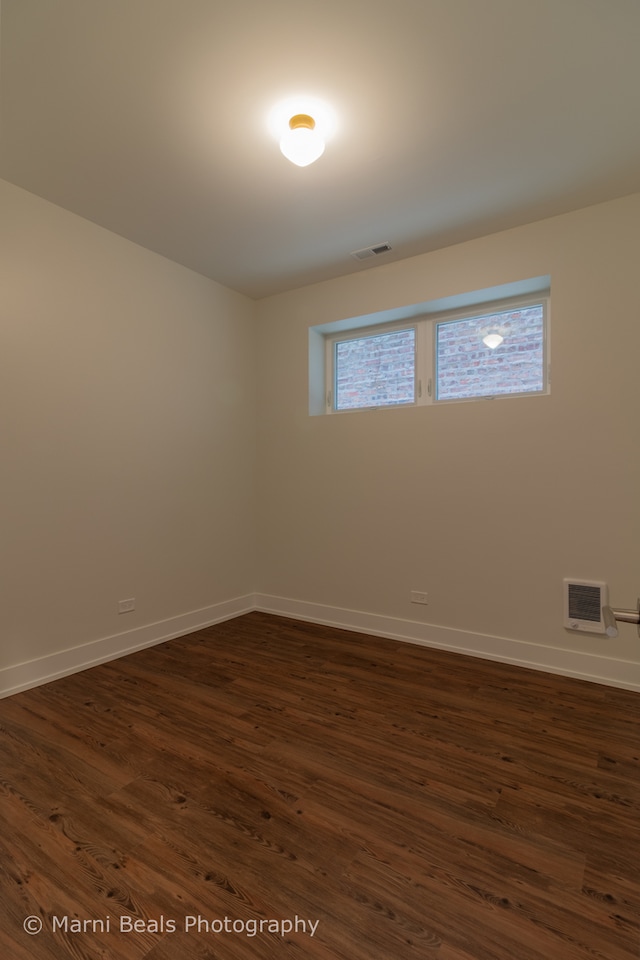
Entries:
{"x":392,"y":801}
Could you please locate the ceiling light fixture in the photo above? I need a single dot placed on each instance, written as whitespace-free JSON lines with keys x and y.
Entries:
{"x":492,"y":340}
{"x":302,"y":143}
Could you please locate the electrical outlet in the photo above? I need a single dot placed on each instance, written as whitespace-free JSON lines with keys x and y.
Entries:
{"x":126,"y":606}
{"x":418,"y":596}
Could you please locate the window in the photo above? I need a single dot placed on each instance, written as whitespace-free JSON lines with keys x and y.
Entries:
{"x":496,"y":350}
{"x":375,"y":370}
{"x":491,"y":355}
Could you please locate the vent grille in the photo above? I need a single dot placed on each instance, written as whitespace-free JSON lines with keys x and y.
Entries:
{"x":373,"y":251}
{"x":584,"y":602}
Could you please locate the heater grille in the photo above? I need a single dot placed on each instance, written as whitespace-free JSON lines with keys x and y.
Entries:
{"x":583,"y":603}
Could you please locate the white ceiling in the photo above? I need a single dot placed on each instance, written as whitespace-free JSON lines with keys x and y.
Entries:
{"x":456,"y":118}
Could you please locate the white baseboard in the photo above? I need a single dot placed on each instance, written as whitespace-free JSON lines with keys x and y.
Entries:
{"x":568,"y":663}
{"x":33,"y":673}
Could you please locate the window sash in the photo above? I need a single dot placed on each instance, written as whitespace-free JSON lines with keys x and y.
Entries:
{"x":490,"y":320}
{"x":401,"y":378}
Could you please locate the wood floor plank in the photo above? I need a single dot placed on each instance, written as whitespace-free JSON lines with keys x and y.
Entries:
{"x":415,"y":804}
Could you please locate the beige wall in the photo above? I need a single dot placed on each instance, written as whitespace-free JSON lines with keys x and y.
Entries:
{"x":145,"y":455}
{"x":128,"y":435}
{"x":485,"y":505}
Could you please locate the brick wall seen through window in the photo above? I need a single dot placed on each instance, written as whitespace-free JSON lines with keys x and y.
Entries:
{"x":466,"y":367}
{"x":375,"y":371}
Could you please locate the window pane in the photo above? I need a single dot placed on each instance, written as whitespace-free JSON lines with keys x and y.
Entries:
{"x":375,"y":371}
{"x":495,"y":354}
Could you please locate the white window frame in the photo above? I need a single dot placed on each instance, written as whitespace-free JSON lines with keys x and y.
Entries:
{"x":362,"y":334}
{"x":425,"y":327}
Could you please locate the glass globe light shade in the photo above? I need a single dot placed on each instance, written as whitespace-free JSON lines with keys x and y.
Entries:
{"x":302,"y":144}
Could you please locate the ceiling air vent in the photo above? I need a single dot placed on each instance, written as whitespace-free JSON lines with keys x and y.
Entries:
{"x":374,"y":251}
